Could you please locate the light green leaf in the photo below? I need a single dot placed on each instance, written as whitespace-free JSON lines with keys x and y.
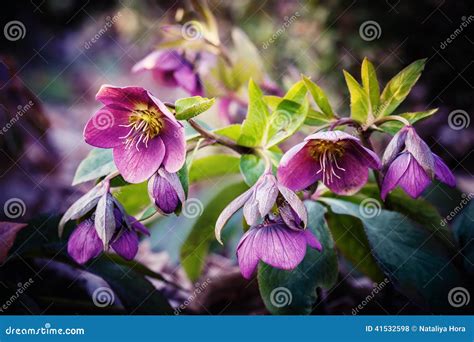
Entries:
{"x":319,"y":97}
{"x":294,"y":292}
{"x":206,"y":168}
{"x":288,"y":117}
{"x":190,"y":107}
{"x":398,"y":87}
{"x":393,"y":126}
{"x":134,"y":197}
{"x":98,"y":163}
{"x":247,"y":63}
{"x":297,"y":92}
{"x":251,"y":167}
{"x":196,"y":247}
{"x":255,"y":126}
{"x":315,"y":118}
{"x":370,"y":84}
{"x":359,"y":99}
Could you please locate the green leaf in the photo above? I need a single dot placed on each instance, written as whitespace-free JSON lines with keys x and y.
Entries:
{"x":370,"y":84}
{"x":393,"y":126}
{"x":247,"y":63}
{"x":399,"y":86}
{"x":183,"y":176}
{"x":294,"y":292}
{"x":196,"y":247}
{"x":352,"y":242}
{"x":414,"y":260}
{"x":288,"y":117}
{"x":297,"y":92}
{"x":359,"y":99}
{"x":315,"y":118}
{"x":99,"y":162}
{"x":135,"y":292}
{"x":251,"y":167}
{"x":190,"y":107}
{"x":319,"y":97}
{"x":134,"y":197}
{"x":216,"y":165}
{"x":463,"y":230}
{"x":255,"y":126}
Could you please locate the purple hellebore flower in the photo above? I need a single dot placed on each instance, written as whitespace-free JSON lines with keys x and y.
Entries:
{"x":259,"y":200}
{"x":409,"y":163}
{"x":171,"y":69}
{"x":336,"y":158}
{"x":274,"y":243}
{"x":85,"y":244}
{"x":140,"y":129}
{"x":166,"y":190}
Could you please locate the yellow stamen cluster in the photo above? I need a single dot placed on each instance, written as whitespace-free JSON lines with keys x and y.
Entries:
{"x":145,"y":124}
{"x":327,"y":153}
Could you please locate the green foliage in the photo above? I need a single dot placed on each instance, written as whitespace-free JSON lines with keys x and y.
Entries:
{"x":297,"y":288}
{"x":190,"y":107}
{"x":251,"y":167}
{"x":393,"y":126}
{"x":319,"y":97}
{"x":98,"y":163}
{"x":216,"y":165}
{"x":360,"y":106}
{"x":371,"y":85}
{"x":464,"y":232}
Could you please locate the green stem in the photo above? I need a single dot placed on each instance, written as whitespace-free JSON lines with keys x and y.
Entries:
{"x":392,"y":118}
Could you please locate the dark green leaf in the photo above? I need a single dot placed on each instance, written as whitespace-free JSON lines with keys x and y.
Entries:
{"x":190,"y":107}
{"x":99,"y":162}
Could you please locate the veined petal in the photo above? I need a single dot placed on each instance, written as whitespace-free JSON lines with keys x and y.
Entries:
{"x":298,"y":169}
{"x":251,"y":212}
{"x":225,"y":215}
{"x":312,"y":240}
{"x":365,"y":155}
{"x":415,"y":179}
{"x":395,"y":146}
{"x":138,"y":226}
{"x":394,"y":172}
{"x":266,"y":193}
{"x":137,"y":166}
{"x":331,"y":136}
{"x":188,"y":79}
{"x":125,"y":98}
{"x":352,"y":179}
{"x":162,"y":60}
{"x":247,"y":254}
{"x":175,"y":144}
{"x":420,"y":151}
{"x":106,"y":127}
{"x":126,"y":245}
{"x":84,"y":243}
{"x":442,"y":171}
{"x":163,"y":194}
{"x":295,"y":203}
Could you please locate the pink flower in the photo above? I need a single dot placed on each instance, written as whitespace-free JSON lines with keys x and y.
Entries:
{"x":140,"y":129}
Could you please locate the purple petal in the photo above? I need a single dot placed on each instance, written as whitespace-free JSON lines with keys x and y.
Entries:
{"x":163,"y":194}
{"x":84,"y":243}
{"x":126,"y":98}
{"x":394,"y":172}
{"x":105,"y":129}
{"x":137,"y":166}
{"x":138,"y":226}
{"x":420,"y":151}
{"x":225,"y":215}
{"x":251,"y":213}
{"x":126,"y":245}
{"x":298,"y":169}
{"x":331,"y":136}
{"x":175,"y":144}
{"x":395,"y":146}
{"x":352,"y":179}
{"x":365,"y":155}
{"x":161,"y":60}
{"x":442,"y":171}
{"x":266,"y":193}
{"x":188,"y":80}
{"x":312,"y":240}
{"x":295,"y":203}
{"x":8,"y":232}
{"x":247,"y":254}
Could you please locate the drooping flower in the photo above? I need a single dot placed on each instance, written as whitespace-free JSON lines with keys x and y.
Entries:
{"x":166,"y":191}
{"x":140,"y":129}
{"x":259,"y":200}
{"x":409,"y":163}
{"x":274,"y":243}
{"x":171,"y":69}
{"x":85,"y":244}
{"x":336,"y":158}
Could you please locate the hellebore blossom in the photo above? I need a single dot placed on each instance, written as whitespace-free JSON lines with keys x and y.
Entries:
{"x":274,"y":243}
{"x":85,"y":244}
{"x":166,"y":191}
{"x":171,"y":69}
{"x":140,"y":129}
{"x":336,"y":158}
{"x":259,"y":200}
{"x":409,"y":163}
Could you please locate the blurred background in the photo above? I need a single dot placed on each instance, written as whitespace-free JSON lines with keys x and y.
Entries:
{"x":52,"y":68}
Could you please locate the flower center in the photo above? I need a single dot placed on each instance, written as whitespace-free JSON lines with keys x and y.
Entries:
{"x":327,"y":153}
{"x":144,"y":125}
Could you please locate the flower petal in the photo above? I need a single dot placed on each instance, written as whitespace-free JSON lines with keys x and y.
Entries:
{"x":122,"y":98}
{"x":420,"y":151}
{"x":442,"y":171}
{"x":415,"y":179}
{"x":298,"y":169}
{"x":251,"y":213}
{"x":331,"y":136}
{"x":295,"y":203}
{"x":394,"y":172}
{"x":84,"y":243}
{"x":247,"y":254}
{"x":126,"y":245}
{"x":188,"y":80}
{"x":137,"y":166}
{"x":225,"y":215}
{"x":162,"y":60}
{"x":175,"y":144}
{"x":395,"y":146}
{"x":163,"y":194}
{"x":266,"y":193}
{"x":105,"y":128}
{"x":365,"y":155}
{"x":352,"y":179}
{"x":312,"y":240}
